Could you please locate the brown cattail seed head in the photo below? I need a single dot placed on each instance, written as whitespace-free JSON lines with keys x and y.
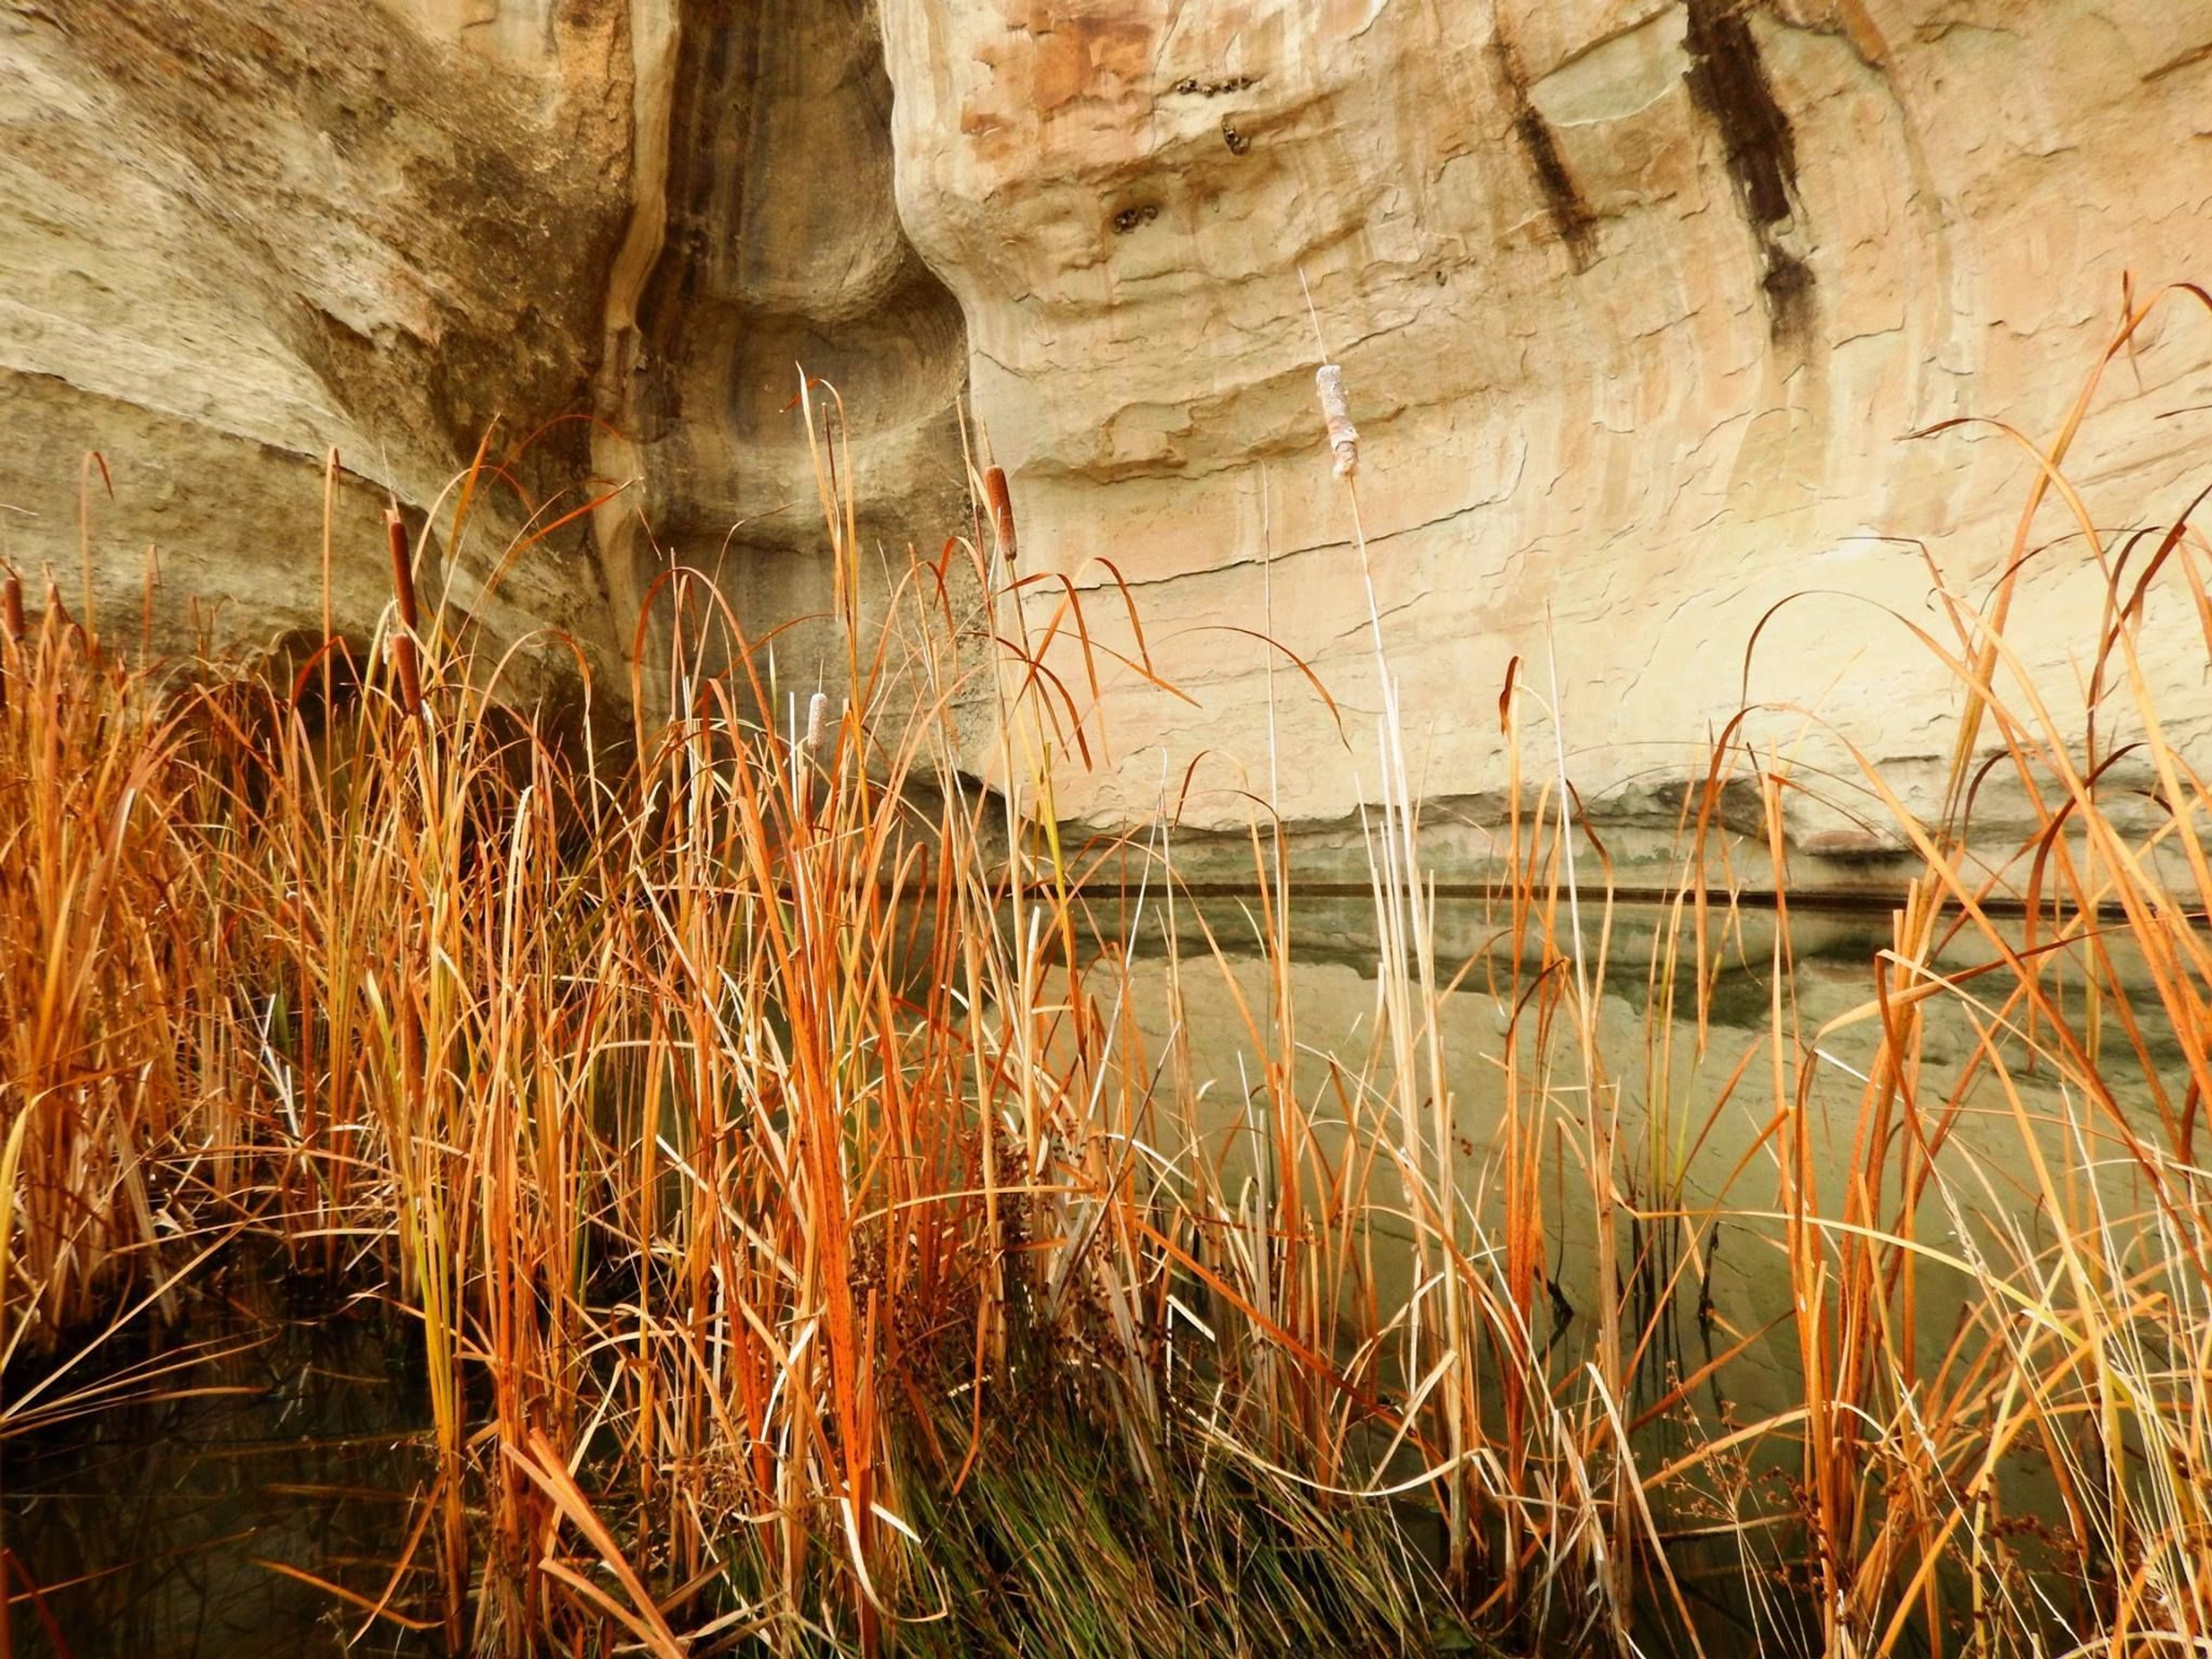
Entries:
{"x":403,"y":567}
{"x":817,"y":715}
{"x":11,"y":608}
{"x":1002,"y":508}
{"x":405,"y":662}
{"x":1336,"y":410}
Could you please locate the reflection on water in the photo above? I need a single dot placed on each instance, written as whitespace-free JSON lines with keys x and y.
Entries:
{"x":1695,"y":1109}
{"x":155,"y":1528}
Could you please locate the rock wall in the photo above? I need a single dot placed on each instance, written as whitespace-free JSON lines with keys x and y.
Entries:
{"x":780,"y":248}
{"x":1636,"y":300}
{"x":236,"y":235}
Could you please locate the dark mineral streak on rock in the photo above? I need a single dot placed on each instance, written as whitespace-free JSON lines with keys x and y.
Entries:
{"x":1729,"y":82}
{"x":1562,"y":199}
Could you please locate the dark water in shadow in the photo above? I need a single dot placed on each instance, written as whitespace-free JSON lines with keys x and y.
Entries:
{"x":148,"y":1526}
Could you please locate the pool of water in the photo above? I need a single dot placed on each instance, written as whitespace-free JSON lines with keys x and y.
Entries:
{"x":1691,"y":1107}
{"x":158,"y":1524}
{"x":163,"y":1524}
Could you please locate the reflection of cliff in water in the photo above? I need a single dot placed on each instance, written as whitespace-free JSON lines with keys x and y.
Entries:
{"x":1699,"y":1237}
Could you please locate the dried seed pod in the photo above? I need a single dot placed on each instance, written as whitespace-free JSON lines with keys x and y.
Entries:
{"x":817,"y":715}
{"x":1001,"y":502}
{"x":11,"y":625}
{"x":1343,"y":436}
{"x":405,"y":662}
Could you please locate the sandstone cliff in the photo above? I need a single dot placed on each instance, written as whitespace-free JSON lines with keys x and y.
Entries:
{"x":1636,"y":300}
{"x":238,"y":235}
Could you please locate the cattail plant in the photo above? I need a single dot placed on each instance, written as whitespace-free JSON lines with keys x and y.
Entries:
{"x":405,"y":660}
{"x":1001,"y":501}
{"x":12,"y":631}
{"x":804,"y":1242}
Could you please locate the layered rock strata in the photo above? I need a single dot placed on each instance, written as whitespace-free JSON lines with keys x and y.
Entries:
{"x":239,"y":236}
{"x":1636,"y":302}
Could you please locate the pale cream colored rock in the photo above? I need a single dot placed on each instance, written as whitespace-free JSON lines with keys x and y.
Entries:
{"x":780,"y":248}
{"x":1636,"y":301}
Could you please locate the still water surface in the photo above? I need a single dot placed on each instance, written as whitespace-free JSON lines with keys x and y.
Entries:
{"x":158,"y":1527}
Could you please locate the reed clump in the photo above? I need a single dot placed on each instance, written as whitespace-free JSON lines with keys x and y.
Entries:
{"x":809,"y":1248}
{"x":121,"y":1047}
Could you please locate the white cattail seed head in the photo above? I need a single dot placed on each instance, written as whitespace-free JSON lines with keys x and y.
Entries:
{"x":1336,"y":410}
{"x":818,"y":711}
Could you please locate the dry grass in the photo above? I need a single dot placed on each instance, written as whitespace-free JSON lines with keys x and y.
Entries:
{"x":808,"y":1249}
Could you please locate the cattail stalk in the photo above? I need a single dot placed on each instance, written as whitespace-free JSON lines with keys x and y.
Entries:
{"x":817,"y":715}
{"x":11,"y":608}
{"x":11,"y":630}
{"x":808,"y":758}
{"x":1406,"y":921}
